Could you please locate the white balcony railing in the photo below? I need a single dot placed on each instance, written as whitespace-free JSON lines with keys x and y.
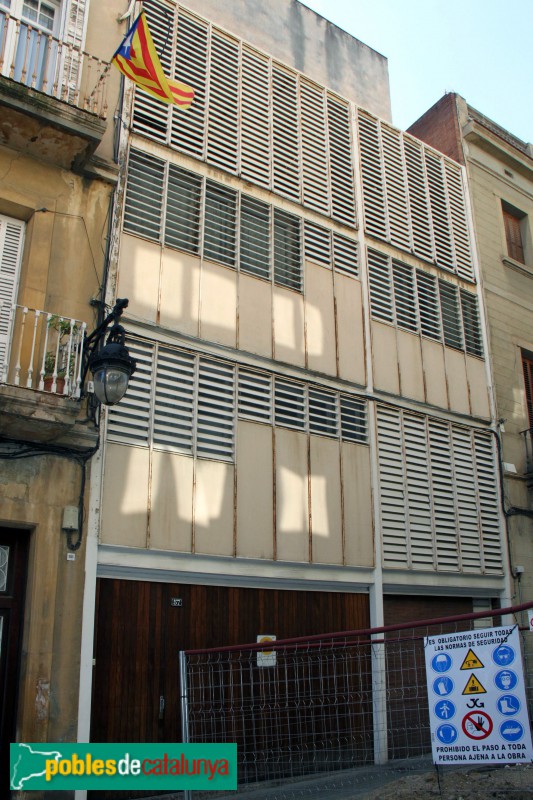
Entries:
{"x":40,"y":350}
{"x":40,"y":61}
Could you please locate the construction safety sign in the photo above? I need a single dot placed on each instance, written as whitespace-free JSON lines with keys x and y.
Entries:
{"x":477,"y":701}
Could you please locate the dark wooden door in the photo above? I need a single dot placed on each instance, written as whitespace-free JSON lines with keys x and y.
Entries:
{"x":13,"y":565}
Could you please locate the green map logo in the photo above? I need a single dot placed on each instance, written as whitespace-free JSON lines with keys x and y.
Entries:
{"x":28,"y":763}
{"x":155,"y":767}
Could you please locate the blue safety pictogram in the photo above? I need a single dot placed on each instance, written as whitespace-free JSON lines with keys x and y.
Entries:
{"x":445,"y":709}
{"x":508,"y":704}
{"x":447,"y":733}
{"x":503,"y":656}
{"x":511,"y":730}
{"x":443,"y":686}
{"x":441,"y":662}
{"x":506,"y":680}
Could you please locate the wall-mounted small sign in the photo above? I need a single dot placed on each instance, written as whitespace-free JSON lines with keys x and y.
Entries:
{"x":176,"y":602}
{"x":266,"y":658}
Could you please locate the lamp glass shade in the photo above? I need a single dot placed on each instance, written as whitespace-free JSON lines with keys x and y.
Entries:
{"x":110,"y":383}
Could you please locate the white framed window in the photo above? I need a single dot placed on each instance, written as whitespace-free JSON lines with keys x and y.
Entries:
{"x":11,"y":246}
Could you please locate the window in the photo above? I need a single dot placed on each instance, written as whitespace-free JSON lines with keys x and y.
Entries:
{"x":287,"y":250}
{"x":255,"y":237}
{"x":11,"y":243}
{"x":513,"y":221}
{"x":527,"y":365}
{"x":220,"y":223}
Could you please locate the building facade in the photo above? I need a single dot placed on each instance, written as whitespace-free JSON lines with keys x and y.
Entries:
{"x":308,"y":443}
{"x":58,"y":177}
{"x":500,"y":175}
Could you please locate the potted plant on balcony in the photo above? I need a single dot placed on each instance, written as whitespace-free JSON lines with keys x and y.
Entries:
{"x":57,"y":361}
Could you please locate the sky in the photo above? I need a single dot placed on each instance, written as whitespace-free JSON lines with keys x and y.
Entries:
{"x":481,"y":49}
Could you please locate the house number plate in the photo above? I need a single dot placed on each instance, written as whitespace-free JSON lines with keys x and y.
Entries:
{"x":176,"y":602}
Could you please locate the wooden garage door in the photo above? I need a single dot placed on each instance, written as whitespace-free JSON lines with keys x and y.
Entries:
{"x":140,"y":631}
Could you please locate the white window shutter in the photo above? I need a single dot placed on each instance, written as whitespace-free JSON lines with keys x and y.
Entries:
{"x":255,"y":118}
{"x":392,"y":482}
{"x":286,"y":145}
{"x":11,"y":244}
{"x":461,"y":237}
{"x":130,"y":421}
{"x":151,"y":116}
{"x":443,"y":496}
{"x":396,"y":187}
{"x":222,"y":138}
{"x":421,"y":221}
{"x":341,"y":161}
{"x":188,"y":127}
{"x":315,"y":156}
{"x":375,"y":210}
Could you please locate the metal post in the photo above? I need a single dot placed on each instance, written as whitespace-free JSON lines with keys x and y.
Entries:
{"x":184,"y":694}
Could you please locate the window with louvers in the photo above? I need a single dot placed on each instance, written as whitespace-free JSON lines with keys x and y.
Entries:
{"x":413,"y":197}
{"x":165,"y":203}
{"x":250,"y":116}
{"x":419,"y":302}
{"x":527,"y":366}
{"x":438,"y":494}
{"x":177,"y":401}
{"x":291,"y":404}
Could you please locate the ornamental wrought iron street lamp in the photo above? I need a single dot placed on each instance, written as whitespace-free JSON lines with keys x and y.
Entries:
{"x":111,"y":365}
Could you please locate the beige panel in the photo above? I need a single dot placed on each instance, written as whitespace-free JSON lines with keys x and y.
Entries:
{"x":213,"y":511}
{"x":358,"y":529}
{"x":351,"y":343}
{"x":218,"y":304}
{"x":477,"y":384}
{"x":255,"y":514}
{"x":457,"y":382}
{"x":171,"y":503}
{"x":180,"y":291}
{"x":326,"y":517}
{"x":289,"y":342}
{"x":292,"y":499}
{"x":125,"y":497}
{"x":410,"y":361}
{"x":255,"y":315}
{"x":320,"y":319}
{"x":434,"y":373}
{"x":385,"y":358}
{"x":138,"y":276}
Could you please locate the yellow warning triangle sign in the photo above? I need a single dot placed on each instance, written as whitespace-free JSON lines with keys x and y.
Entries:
{"x":474,"y":686}
{"x":471,"y":661}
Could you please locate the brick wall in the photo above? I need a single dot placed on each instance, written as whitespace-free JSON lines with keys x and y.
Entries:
{"x":439,"y":127}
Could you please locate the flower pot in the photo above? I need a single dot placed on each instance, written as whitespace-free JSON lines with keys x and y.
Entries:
{"x":60,"y":384}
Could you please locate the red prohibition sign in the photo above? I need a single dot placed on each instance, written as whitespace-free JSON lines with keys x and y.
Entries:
{"x":477,"y":725}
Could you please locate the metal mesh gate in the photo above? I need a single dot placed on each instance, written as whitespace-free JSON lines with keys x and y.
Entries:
{"x":324,"y":710}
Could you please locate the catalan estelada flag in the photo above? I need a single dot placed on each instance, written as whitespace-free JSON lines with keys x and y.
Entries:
{"x":137,"y":59}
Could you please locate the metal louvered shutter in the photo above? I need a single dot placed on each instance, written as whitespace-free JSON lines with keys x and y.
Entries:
{"x":286,"y":146}
{"x":222,"y":139}
{"x":353,"y":419}
{"x":150,"y":115}
{"x":451,"y":322}
{"x":323,"y":412}
{"x":489,"y":505}
{"x":184,"y":197}
{"x":418,"y":491}
{"x":405,"y":304}
{"x":215,"y":419}
{"x":345,"y":255}
{"x":428,"y":305}
{"x":443,"y":495}
{"x":287,"y":250}
{"x":461,"y":238}
{"x":11,"y":244}
{"x":396,"y":188}
{"x":143,"y":207}
{"x":188,"y":127}
{"x":130,"y":421}
{"x":466,"y":498}
{"x":392,"y":485}
{"x":421,"y":222}
{"x":380,"y":283}
{"x":290,"y":404}
{"x":255,"y":396}
{"x":341,"y":161}
{"x":174,"y":400}
{"x":317,"y":243}
{"x":374,"y":204}
{"x":439,"y":210}
{"x":255,"y":118}
{"x":314,"y":148}
{"x":255,"y":238}
{"x":220,"y":223}
{"x":471,"y":324}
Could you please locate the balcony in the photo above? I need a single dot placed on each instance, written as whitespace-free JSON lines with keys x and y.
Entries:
{"x":52,"y":94}
{"x":40,"y":377}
